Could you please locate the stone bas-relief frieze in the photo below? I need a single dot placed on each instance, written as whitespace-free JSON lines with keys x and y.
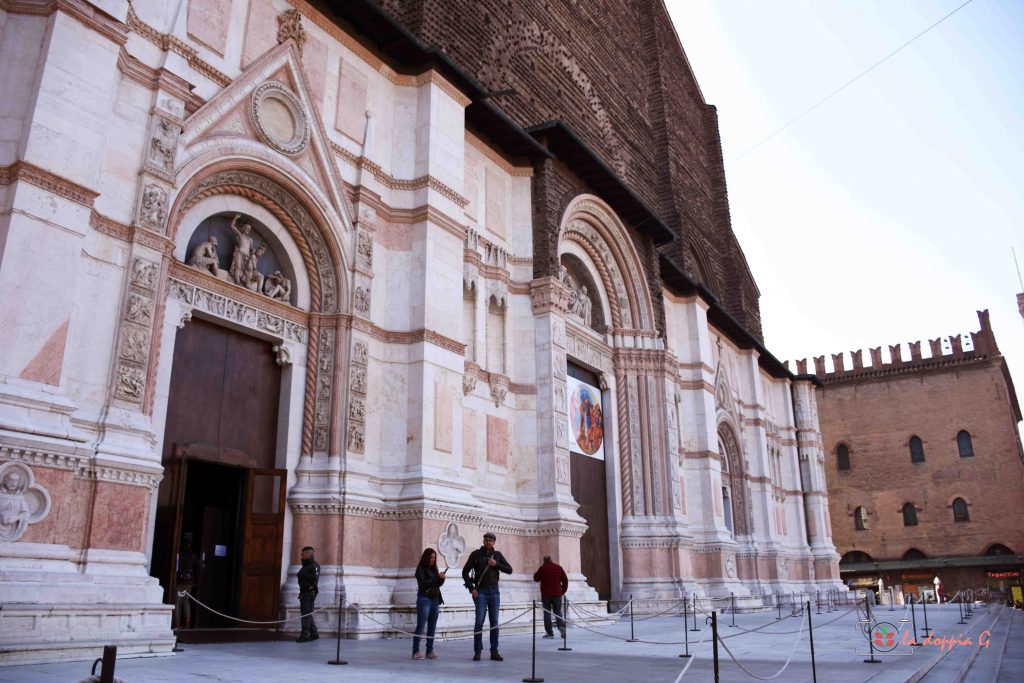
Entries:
{"x":244,"y":266}
{"x":580,"y":304}
{"x":237,"y":312}
{"x":22,"y":501}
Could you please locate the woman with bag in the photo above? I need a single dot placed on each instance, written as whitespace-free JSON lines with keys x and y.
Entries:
{"x":428,"y":601}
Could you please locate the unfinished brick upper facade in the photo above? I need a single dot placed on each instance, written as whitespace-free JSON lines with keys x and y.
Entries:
{"x":616,"y":74}
{"x":874,"y":413}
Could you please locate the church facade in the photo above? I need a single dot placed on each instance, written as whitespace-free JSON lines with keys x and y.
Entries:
{"x":278,"y":274}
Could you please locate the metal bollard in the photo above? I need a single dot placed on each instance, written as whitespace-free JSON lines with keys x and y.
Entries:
{"x":337,"y":655}
{"x":714,"y":641}
{"x":732,"y":609}
{"x":924,"y":606}
{"x":913,"y":618}
{"x":565,"y":626}
{"x":871,"y":645}
{"x":108,"y":661}
{"x":810,"y":631}
{"x":533,"y":655}
{"x":695,"y":613}
{"x":686,"y":634}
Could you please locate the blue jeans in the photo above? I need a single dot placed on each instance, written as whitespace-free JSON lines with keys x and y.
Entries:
{"x":487,"y":602}
{"x":427,"y":610}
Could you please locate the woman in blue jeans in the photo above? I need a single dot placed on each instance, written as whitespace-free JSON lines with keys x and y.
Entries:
{"x":428,"y":601}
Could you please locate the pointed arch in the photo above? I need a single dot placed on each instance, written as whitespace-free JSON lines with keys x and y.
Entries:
{"x":733,"y":478}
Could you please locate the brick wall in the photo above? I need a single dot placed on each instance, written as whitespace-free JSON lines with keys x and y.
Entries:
{"x":876,"y":413}
{"x":615,"y":73}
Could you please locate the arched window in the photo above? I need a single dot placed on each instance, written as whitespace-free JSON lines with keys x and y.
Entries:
{"x":733,"y":491}
{"x":963,"y":442}
{"x":860,"y":519}
{"x":855,"y":557}
{"x":916,"y":450}
{"x":914,"y":554}
{"x":909,"y":515}
{"x":843,"y":457}
{"x":997,"y":549}
{"x":960,"y":513}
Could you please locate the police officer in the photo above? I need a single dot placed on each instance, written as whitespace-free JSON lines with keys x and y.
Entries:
{"x":309,"y":577}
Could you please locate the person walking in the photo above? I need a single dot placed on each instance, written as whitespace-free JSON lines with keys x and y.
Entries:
{"x":309,"y":578}
{"x":428,"y":601}
{"x":480,"y":576}
{"x":553,"y":585}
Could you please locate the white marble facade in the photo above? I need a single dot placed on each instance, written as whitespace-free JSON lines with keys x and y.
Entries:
{"x":423,"y":389}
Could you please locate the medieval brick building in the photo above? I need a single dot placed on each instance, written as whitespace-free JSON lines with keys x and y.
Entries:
{"x":925,"y":468}
{"x":373,"y":278}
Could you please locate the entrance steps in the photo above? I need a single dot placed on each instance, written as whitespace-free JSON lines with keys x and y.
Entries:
{"x":954,"y":664}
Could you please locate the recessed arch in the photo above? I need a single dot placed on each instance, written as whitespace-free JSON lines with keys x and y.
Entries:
{"x":856,"y":557}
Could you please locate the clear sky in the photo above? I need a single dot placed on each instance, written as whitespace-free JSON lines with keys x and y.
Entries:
{"x":887,"y":214}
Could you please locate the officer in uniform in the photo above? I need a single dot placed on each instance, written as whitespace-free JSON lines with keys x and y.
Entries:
{"x":309,"y":577}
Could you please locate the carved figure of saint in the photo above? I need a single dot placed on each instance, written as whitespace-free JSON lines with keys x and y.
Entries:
{"x":14,"y":510}
{"x":585,"y":305}
{"x":277,"y":286}
{"x":204,"y":257}
{"x":243,"y":250}
{"x":451,"y":545}
{"x":251,"y":277}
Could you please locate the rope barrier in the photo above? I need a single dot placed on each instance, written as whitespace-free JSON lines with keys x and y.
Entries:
{"x":778,"y":673}
{"x":248,"y":621}
{"x":468,"y":634}
{"x":781,"y":633}
{"x":691,"y":659}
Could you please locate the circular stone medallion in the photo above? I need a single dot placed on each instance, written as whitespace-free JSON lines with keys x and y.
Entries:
{"x":278,"y":118}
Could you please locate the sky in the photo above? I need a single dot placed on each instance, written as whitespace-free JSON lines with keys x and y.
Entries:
{"x":886,"y":214}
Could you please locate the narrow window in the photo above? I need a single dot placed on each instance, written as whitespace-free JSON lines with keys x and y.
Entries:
{"x":960,"y":513}
{"x":727,"y":507}
{"x":843,"y":457}
{"x":916,"y":450}
{"x":909,"y":515}
{"x":860,"y":519}
{"x":963,"y":442}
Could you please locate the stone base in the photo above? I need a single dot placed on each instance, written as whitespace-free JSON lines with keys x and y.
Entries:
{"x":59,"y":603}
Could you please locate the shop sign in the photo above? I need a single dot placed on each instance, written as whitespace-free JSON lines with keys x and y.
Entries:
{"x":1003,"y":575}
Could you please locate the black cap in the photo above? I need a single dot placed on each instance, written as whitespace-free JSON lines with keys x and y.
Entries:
{"x":308,"y":547}
{"x":490,"y":536}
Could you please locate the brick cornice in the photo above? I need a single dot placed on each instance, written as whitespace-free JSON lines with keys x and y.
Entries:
{"x":49,"y":181}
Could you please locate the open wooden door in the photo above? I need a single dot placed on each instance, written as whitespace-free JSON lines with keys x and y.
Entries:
{"x":170,"y":518}
{"x":260,"y":580}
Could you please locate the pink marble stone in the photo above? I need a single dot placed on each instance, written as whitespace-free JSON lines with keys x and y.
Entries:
{"x":472,"y":189}
{"x":208,"y":22}
{"x":119,"y":517}
{"x":314,"y":63}
{"x":469,"y":434}
{"x":443,"y":409}
{"x":45,"y":367}
{"x":260,"y":30}
{"x":497,"y":441}
{"x":350,"y":115}
{"x":394,"y":236}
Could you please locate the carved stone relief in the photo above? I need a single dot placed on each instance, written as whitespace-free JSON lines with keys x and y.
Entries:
{"x":364,"y":248}
{"x":296,"y":211}
{"x":162,"y":144}
{"x":136,"y":332}
{"x":279,"y":118}
{"x":238,"y":312}
{"x":322,"y":410}
{"x":451,"y":545}
{"x":468,"y":382}
{"x":153,"y":209}
{"x":499,"y":389}
{"x":562,"y":468}
{"x":357,"y":397}
{"x":22,"y":501}
{"x":289,"y":27}
{"x":282,"y":356}
{"x":361,"y":300}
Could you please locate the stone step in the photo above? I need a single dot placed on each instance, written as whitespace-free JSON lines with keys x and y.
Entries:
{"x":953,"y":664}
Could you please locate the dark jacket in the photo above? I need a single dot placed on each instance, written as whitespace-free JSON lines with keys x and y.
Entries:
{"x":553,"y":581}
{"x":478,"y":574}
{"x":309,"y":577}
{"x":428,"y":582}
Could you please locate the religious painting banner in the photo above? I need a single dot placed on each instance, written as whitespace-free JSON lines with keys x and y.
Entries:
{"x":586,"y":419}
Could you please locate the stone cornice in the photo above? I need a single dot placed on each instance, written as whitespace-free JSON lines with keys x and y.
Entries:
{"x":49,"y":181}
{"x":485,"y":149}
{"x":110,"y":227}
{"x":84,"y":466}
{"x":153,"y":79}
{"x":169,"y":43}
{"x":80,"y":11}
{"x":389,"y":181}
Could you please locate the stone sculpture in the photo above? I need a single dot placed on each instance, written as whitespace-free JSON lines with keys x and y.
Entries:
{"x":243,"y":251}
{"x":22,"y":502}
{"x":451,"y":545}
{"x":277,"y":286}
{"x":204,"y":257}
{"x":154,"y":199}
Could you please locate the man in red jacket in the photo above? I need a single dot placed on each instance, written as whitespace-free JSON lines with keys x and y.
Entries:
{"x":553,"y":585}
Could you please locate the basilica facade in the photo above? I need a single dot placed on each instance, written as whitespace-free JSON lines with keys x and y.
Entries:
{"x":374,"y":278}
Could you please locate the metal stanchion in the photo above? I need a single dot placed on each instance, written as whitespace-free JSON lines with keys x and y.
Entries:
{"x":817,"y":599}
{"x":960,"y":605}
{"x":810,"y":631}
{"x":913,"y":619}
{"x":871,"y":644}
{"x":632,"y":636}
{"x":686,"y":634}
{"x":732,"y":609}
{"x":533,"y":654}
{"x":695,"y":613}
{"x":892,"y":601}
{"x":924,"y":606}
{"x":714,"y":641}
{"x":565,"y":626}
{"x":778,"y":603}
{"x":337,"y":653}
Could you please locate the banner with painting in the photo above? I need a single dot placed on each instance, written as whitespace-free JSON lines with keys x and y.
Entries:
{"x":586,"y":419}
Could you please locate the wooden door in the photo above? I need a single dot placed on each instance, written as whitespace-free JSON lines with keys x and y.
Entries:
{"x":588,"y":488}
{"x":260,"y":579}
